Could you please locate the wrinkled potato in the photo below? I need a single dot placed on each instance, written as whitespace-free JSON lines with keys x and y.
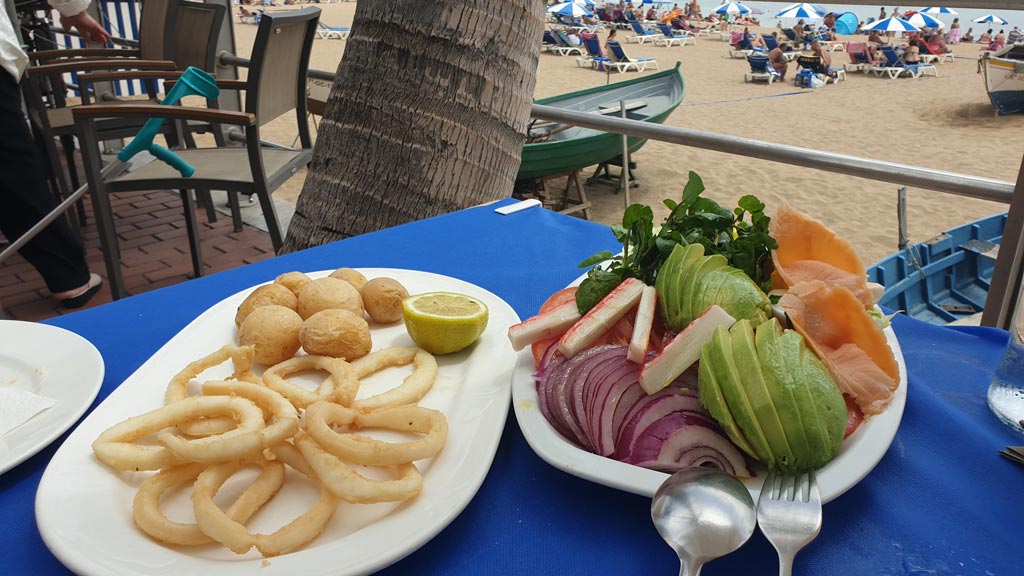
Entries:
{"x":274,"y":331}
{"x":353,"y":277}
{"x":293,"y":281}
{"x":336,"y":333}
{"x":263,"y":296}
{"x":382,"y":298}
{"x":325,"y":293}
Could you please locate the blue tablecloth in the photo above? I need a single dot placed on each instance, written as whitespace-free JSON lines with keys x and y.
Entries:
{"x":940,"y":502}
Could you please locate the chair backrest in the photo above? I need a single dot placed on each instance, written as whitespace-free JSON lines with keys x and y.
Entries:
{"x":593,"y":45}
{"x":858,"y":52}
{"x":280,"y":59}
{"x":735,"y":38}
{"x":563,"y":39}
{"x":790,"y":34}
{"x":891,"y":57}
{"x":549,"y":37}
{"x":156,"y":40}
{"x":197,"y":26}
{"x":638,"y":28}
{"x":770,"y":42}
{"x":760,"y":63}
{"x":616,"y":49}
{"x":666,"y":30}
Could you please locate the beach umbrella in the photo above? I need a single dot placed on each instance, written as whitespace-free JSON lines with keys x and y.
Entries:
{"x":584,"y":2}
{"x":570,"y":9}
{"x":891,"y":24}
{"x":939,"y":10}
{"x":732,"y":8}
{"x":801,"y":10}
{"x":990,"y":19}
{"x":922,"y":20}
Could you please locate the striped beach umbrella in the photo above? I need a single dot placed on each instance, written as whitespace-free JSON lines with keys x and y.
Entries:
{"x":922,"y":20}
{"x":939,"y":10}
{"x":732,"y":8}
{"x":570,"y":9}
{"x":990,"y":19}
{"x":584,"y":2}
{"x":891,"y":24}
{"x":801,"y":10}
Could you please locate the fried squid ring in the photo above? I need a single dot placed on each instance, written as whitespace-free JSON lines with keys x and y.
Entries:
{"x":349,"y":485}
{"x":116,"y":446}
{"x":320,"y":418}
{"x":284,"y":416}
{"x":415,"y":385}
{"x":241,"y":358}
{"x":342,"y":383}
{"x":217,"y":524}
{"x":148,"y":517}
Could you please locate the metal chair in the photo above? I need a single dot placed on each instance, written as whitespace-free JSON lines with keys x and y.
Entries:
{"x":276,"y":85}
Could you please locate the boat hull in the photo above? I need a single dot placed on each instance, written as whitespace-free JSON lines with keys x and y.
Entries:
{"x":1004,"y":80}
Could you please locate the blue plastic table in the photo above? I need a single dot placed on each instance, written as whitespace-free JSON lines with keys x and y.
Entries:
{"x":940,"y":502}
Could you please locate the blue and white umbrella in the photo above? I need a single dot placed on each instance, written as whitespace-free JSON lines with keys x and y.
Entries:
{"x":922,"y":20}
{"x":570,"y":9}
{"x":584,"y":2}
{"x":801,"y":10}
{"x":991,"y":19}
{"x":732,"y":8}
{"x":891,"y":24}
{"x":939,"y":10}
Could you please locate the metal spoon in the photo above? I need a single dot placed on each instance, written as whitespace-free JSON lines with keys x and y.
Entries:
{"x":702,"y":513}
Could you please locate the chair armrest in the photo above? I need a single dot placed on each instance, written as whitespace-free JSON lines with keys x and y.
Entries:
{"x":93,"y":77}
{"x":44,"y":55}
{"x":108,"y":64}
{"x":222,"y":84}
{"x":169,"y":112}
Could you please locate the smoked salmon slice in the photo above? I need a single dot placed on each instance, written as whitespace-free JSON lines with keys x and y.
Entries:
{"x":808,"y":250}
{"x":846,"y":338}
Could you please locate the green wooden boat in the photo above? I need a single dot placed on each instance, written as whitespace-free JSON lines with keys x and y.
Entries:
{"x":648,"y":98}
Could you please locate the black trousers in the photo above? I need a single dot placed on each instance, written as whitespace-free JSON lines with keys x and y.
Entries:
{"x":25,"y":198}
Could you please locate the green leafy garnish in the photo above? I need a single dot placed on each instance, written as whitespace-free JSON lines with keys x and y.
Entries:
{"x":744,"y":242}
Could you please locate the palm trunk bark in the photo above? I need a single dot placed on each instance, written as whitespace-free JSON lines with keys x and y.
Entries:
{"x":427,"y":115}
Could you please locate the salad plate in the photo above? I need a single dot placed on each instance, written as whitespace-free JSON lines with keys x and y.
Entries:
{"x":99,"y":537}
{"x":858,"y":454}
{"x":55,"y":365}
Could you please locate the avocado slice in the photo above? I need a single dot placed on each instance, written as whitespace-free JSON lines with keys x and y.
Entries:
{"x":778,"y":373}
{"x":744,"y":354}
{"x":826,"y":400}
{"x":694,"y":302}
{"x":736,"y":293}
{"x":670,"y":277}
{"x":709,"y":394}
{"x":791,"y":345}
{"x":731,"y":382}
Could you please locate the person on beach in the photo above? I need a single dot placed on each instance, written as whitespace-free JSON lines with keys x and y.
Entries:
{"x":777,"y":58}
{"x":693,"y":10}
{"x":912,"y":52}
{"x":881,"y":15}
{"x":752,"y":41}
{"x":608,"y":51}
{"x":968,"y":36}
{"x":985,"y":38}
{"x":652,"y":14}
{"x":826,"y":58}
{"x":955,"y":32}
{"x":1015,"y":35}
{"x":998,"y":42}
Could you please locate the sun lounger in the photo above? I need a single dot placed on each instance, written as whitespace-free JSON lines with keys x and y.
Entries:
{"x":771,"y":43}
{"x":594,"y":58}
{"x":624,"y":63}
{"x":893,"y":62}
{"x":325,"y":32}
{"x":761,"y":69}
{"x":740,"y":47}
{"x":563,"y":47}
{"x":672,"y":37}
{"x":642,"y":34}
{"x":929,"y":56}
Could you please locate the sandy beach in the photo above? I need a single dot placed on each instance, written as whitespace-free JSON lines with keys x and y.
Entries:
{"x":944,"y":123}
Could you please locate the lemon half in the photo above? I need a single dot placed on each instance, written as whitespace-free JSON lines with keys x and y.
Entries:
{"x":444,"y":322}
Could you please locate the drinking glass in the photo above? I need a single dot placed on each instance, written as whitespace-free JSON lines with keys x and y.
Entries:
{"x":1006,"y":392}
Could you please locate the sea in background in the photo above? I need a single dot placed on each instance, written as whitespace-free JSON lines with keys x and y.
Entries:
{"x":864,"y":12}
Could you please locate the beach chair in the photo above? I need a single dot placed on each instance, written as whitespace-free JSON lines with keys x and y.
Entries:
{"x":772,"y":43}
{"x":930,"y":56}
{"x":761,"y":69}
{"x":548,"y":43}
{"x":594,"y":58}
{"x":893,"y":62}
{"x":672,"y":37}
{"x":860,"y":59}
{"x":624,"y":63}
{"x":325,"y":32}
{"x":642,"y":34}
{"x":563,"y":47}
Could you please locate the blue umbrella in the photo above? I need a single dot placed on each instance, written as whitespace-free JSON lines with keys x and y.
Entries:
{"x":732,"y":8}
{"x":801,"y":10}
{"x":990,"y":19}
{"x":891,"y":24}
{"x":939,"y":10}
{"x":922,"y":20}
{"x":570,"y":9}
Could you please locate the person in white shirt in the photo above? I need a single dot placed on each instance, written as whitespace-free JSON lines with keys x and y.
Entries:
{"x":24,"y":196}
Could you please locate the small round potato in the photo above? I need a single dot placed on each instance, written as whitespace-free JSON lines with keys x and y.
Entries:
{"x":353,"y":277}
{"x":324,"y":293}
{"x":382,"y":298}
{"x":263,"y":296}
{"x":293,"y":281}
{"x":336,"y":333}
{"x":274,"y":331}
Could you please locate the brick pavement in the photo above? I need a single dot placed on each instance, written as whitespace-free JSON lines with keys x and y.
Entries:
{"x":154,"y":253}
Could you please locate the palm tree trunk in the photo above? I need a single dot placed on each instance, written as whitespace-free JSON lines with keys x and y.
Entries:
{"x":427,"y":114}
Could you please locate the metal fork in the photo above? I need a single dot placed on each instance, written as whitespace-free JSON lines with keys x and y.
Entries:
{"x":789,"y":514}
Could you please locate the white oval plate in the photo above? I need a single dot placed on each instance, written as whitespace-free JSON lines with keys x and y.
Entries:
{"x":857,"y":456}
{"x":51,"y":362}
{"x":83,"y":508}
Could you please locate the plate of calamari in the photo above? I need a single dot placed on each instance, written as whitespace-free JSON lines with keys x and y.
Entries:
{"x":295,"y":427}
{"x":725,"y":338}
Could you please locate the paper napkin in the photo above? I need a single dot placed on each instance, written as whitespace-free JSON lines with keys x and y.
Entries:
{"x":18,"y":406}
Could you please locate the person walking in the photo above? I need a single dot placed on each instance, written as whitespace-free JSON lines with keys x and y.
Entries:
{"x":56,"y":253}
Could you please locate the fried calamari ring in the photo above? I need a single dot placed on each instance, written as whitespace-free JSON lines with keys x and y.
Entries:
{"x":241,"y":357}
{"x":321,"y":416}
{"x":284,"y":416}
{"x":342,"y":384}
{"x":415,"y":385}
{"x":216,"y":524}
{"x":116,"y":446}
{"x":349,"y":485}
{"x":148,"y":517}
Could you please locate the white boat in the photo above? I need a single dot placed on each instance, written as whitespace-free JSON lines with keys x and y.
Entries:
{"x":1004,"y":78}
